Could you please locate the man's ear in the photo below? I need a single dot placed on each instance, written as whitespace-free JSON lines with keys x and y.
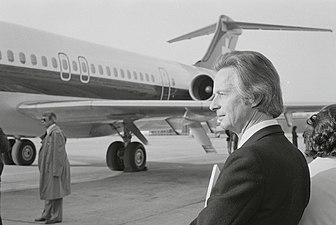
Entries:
{"x":256,"y":101}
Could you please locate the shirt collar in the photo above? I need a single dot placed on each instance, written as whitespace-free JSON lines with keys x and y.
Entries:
{"x":253,"y":129}
{"x":49,"y":128}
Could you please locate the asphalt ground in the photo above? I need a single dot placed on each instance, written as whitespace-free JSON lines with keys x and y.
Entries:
{"x":170,"y":192}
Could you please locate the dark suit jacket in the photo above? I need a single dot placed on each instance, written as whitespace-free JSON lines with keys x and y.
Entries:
{"x":265,"y":182}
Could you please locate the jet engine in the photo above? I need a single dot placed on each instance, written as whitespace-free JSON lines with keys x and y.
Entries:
{"x":201,"y":87}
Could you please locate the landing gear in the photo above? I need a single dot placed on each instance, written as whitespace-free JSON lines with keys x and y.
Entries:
{"x":23,"y":152}
{"x":128,"y":156}
{"x":130,"y":159}
{"x":115,"y":156}
{"x":135,"y":157}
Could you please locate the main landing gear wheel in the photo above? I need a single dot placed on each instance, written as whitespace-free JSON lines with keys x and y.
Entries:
{"x":130,"y":159}
{"x":23,"y":152}
{"x":135,"y":157}
{"x":115,"y":155}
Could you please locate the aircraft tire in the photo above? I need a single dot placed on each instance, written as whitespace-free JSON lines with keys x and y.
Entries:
{"x":135,"y":157}
{"x":23,"y":152}
{"x":114,"y":156}
{"x":7,"y":156}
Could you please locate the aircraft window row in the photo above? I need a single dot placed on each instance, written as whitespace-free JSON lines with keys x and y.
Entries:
{"x":33,"y":58}
{"x":122,"y":73}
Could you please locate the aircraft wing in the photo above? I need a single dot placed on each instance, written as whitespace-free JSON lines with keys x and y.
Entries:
{"x":110,"y":111}
{"x":291,"y":108}
{"x":105,"y":117}
{"x":305,"y":107}
{"x":105,"y":111}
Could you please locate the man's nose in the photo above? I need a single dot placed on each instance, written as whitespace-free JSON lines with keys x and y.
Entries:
{"x":214,"y":105}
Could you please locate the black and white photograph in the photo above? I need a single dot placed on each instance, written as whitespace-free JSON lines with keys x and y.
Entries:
{"x":167,"y":112}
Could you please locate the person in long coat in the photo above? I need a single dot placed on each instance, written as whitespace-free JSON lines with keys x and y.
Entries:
{"x":54,"y":170}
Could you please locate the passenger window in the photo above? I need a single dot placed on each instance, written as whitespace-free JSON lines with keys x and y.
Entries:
{"x":147,"y":77}
{"x":22,"y":57}
{"x":100,"y":67}
{"x":65,"y":64}
{"x":173,"y":82}
{"x":153,"y":78}
{"x":135,"y":75}
{"x":115,"y":72}
{"x":122,"y":73}
{"x":141,"y":77}
{"x":10,"y":56}
{"x":93,"y":69}
{"x":108,"y":71}
{"x":44,"y":61}
{"x":84,"y":68}
{"x":129,"y":74}
{"x":54,"y":62}
{"x":33,"y":59}
{"x":0,"y":55}
{"x":74,"y":65}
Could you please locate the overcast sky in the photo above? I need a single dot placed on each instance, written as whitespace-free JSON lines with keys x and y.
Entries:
{"x":304,"y":60}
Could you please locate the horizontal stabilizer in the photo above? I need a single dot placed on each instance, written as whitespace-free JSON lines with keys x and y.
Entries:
{"x":228,"y":24}
{"x":260,"y":26}
{"x":203,"y":31}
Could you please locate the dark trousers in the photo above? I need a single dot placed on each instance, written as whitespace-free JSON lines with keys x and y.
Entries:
{"x":53,"y":209}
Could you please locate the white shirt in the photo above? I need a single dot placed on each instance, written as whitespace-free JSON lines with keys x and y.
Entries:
{"x":319,"y":165}
{"x":253,"y":129}
{"x":322,"y":203}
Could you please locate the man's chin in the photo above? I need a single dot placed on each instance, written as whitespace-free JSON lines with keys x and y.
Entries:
{"x":224,"y":126}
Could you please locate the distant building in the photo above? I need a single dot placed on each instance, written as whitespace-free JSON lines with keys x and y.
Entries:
{"x":185,"y":131}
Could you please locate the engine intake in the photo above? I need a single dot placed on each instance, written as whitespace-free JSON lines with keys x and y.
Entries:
{"x":201,"y":87}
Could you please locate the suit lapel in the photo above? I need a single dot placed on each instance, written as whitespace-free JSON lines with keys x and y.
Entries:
{"x":262,"y":133}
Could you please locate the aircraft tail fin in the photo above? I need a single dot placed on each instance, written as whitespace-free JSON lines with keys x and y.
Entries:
{"x":226,"y":36}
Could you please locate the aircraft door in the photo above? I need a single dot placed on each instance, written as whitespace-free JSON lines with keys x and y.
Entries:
{"x":165,"y":92}
{"x":84,"y":69}
{"x":65,"y":71}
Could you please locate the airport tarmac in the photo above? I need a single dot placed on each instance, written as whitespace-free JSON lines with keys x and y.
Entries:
{"x":170,"y":192}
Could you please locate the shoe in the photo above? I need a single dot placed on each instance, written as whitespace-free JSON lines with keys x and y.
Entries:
{"x":53,"y":221}
{"x":41,"y":219}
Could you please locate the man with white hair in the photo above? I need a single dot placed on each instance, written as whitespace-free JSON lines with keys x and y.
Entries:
{"x":266,"y":180}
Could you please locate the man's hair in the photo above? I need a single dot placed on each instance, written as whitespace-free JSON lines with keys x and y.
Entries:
{"x":50,"y":115}
{"x":258,"y":81}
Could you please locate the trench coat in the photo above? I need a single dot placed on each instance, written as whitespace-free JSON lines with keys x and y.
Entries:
{"x":54,"y":166}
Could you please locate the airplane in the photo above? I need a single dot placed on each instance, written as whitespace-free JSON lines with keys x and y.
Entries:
{"x":99,"y":91}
